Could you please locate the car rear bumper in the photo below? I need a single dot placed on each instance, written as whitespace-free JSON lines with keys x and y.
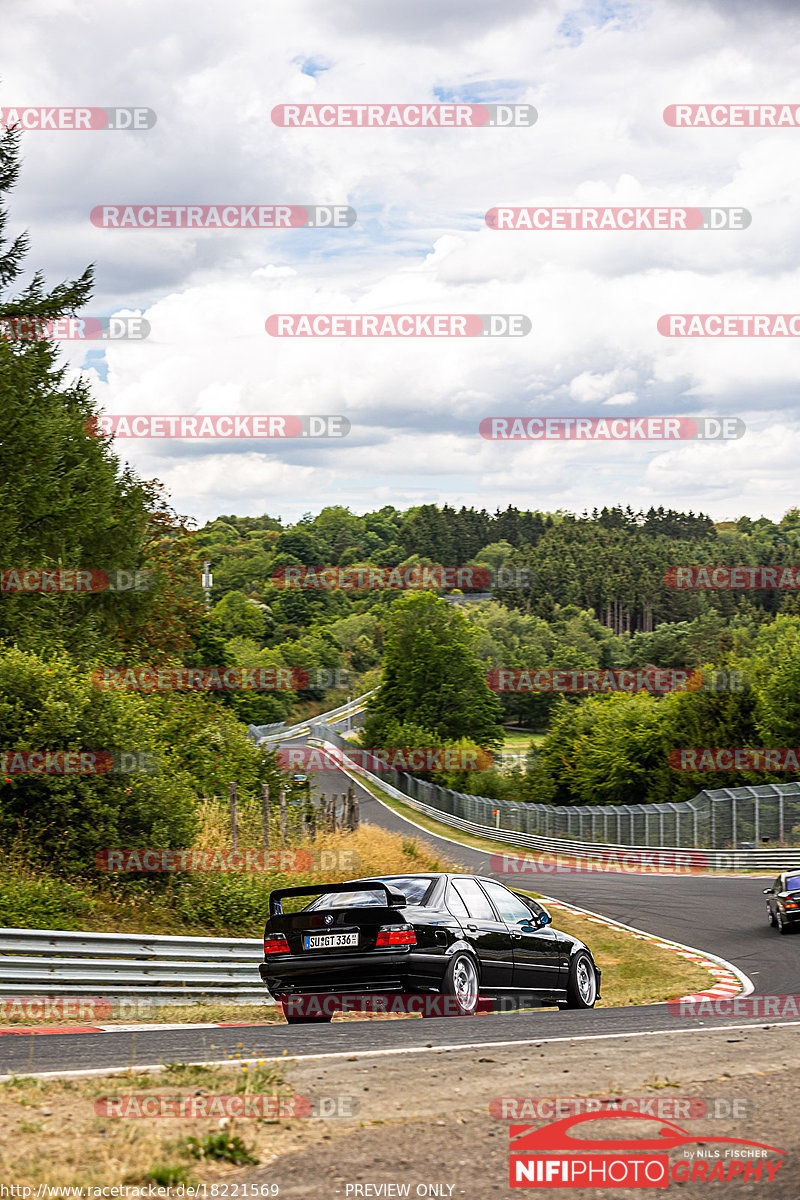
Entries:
{"x":352,"y":973}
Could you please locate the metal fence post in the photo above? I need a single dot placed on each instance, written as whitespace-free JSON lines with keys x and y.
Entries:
{"x":780,"y":817}
{"x":283,"y":816}
{"x":758,"y":821}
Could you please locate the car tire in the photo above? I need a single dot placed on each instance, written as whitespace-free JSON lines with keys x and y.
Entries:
{"x":582,"y":982}
{"x":460,"y":980}
{"x":770,"y":916}
{"x":292,"y":1018}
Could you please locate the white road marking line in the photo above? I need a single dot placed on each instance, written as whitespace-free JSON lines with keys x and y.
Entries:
{"x":531,"y":1041}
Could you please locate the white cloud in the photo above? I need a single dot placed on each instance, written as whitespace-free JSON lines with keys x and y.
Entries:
{"x":420,"y":244}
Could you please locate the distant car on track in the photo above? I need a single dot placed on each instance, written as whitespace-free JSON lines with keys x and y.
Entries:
{"x":783,"y":901}
{"x":460,"y":936}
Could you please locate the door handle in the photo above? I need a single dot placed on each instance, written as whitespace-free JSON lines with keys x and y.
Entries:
{"x":472,"y":928}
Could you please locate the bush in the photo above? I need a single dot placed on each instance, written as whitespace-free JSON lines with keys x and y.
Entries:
{"x":29,"y":903}
{"x":47,"y":704}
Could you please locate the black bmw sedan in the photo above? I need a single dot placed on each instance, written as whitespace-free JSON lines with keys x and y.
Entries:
{"x":459,"y":937}
{"x":783,"y":901}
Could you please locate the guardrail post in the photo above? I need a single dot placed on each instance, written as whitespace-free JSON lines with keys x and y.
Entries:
{"x":265,"y":815}
{"x":283,"y":816}
{"x":234,"y":802}
{"x":332,"y":812}
{"x":354,"y":809}
{"x":780,"y":817}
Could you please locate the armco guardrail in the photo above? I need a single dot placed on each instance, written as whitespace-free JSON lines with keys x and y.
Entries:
{"x":512,"y":816}
{"x":280,"y":732}
{"x":159,"y":969}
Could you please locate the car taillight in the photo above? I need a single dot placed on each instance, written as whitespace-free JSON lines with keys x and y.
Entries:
{"x":396,"y":935}
{"x":789,"y":904}
{"x":276,"y":944}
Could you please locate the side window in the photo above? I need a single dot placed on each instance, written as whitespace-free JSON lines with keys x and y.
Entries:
{"x":455,"y":904}
{"x":477,"y":904}
{"x":776,"y":887}
{"x":510,"y":907}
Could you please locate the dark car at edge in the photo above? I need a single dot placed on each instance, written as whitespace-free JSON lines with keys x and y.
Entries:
{"x":455,"y":935}
{"x":783,"y":901}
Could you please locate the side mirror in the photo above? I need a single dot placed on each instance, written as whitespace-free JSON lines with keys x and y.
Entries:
{"x":766,"y":891}
{"x":533,"y":923}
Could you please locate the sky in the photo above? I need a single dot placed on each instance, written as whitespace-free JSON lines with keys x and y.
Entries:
{"x":599,"y":75}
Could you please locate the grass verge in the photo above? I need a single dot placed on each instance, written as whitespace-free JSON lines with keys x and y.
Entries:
{"x":58,"y":1132}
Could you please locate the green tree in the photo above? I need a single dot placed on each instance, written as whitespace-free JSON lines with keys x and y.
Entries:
{"x":64,"y":500}
{"x":432,"y":676}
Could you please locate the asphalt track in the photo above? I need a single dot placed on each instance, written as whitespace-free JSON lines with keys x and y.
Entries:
{"x":722,"y":916}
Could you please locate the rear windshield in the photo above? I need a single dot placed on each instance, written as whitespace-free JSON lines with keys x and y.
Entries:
{"x":793,"y":883}
{"x":413,"y":887}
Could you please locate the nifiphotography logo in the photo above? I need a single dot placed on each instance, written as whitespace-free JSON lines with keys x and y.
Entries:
{"x":551,"y":1156}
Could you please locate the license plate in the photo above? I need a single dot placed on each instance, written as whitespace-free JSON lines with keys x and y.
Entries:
{"x":328,"y":941}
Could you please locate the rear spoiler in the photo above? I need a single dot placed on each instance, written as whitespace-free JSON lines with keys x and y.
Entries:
{"x":393,"y":899}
